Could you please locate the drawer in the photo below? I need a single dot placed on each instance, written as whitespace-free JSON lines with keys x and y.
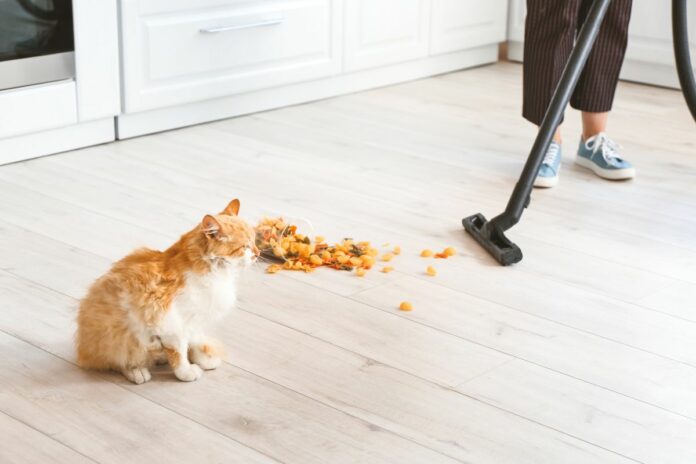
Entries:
{"x":173,"y":54}
{"x":38,"y":107}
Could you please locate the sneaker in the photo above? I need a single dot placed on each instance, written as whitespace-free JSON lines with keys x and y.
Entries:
{"x":600,"y":154}
{"x":550,"y":167}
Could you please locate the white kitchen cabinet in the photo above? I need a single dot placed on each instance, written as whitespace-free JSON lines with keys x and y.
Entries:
{"x":217,"y":48}
{"x":185,"y":63}
{"x":72,"y":113}
{"x":461,"y":24}
{"x":517,"y":13}
{"x":649,"y":57}
{"x":381,"y":32}
{"x":37,"y":108}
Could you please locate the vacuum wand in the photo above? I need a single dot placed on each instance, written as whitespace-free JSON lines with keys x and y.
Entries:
{"x":491,"y":234}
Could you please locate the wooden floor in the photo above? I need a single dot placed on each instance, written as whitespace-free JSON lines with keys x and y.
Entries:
{"x":583,"y":353}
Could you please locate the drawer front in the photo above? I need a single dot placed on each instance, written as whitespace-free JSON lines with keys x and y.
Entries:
{"x":38,"y":107}
{"x":223,"y":48}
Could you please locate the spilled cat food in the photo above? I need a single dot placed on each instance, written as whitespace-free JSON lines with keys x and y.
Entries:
{"x":294,"y":251}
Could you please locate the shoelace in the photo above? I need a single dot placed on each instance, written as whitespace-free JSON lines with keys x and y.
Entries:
{"x":609,"y":149}
{"x":551,"y":155}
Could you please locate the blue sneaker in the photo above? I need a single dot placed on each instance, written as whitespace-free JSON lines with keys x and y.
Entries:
{"x":550,"y":167}
{"x":600,"y":154}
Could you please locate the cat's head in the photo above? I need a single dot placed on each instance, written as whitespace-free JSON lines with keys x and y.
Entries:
{"x":229,"y":238}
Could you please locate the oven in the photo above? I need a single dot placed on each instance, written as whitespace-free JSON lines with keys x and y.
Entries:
{"x":36,"y":42}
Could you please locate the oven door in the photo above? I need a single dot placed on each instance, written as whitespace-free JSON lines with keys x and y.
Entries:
{"x":36,"y":42}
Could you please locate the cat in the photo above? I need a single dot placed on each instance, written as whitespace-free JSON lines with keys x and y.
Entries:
{"x":155,"y":306}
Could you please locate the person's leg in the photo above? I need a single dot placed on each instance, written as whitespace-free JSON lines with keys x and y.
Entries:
{"x":594,"y":94}
{"x":596,"y":88}
{"x":549,"y":36}
{"x":593,"y":123}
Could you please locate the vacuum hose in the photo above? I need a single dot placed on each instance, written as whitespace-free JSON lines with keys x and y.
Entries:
{"x":680,"y":33}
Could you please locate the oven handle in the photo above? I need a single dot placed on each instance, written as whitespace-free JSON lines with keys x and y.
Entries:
{"x":266,"y":23}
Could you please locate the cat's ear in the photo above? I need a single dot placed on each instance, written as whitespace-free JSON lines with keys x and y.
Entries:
{"x":210,"y":226}
{"x":232,"y":209}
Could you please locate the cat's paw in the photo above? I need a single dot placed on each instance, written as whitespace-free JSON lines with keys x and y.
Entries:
{"x":188,"y":373}
{"x":137,"y":375}
{"x":206,"y":361}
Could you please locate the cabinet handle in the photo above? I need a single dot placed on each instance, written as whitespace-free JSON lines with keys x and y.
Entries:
{"x":269,"y":22}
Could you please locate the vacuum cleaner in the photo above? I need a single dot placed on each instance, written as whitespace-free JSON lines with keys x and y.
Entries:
{"x":491,"y":234}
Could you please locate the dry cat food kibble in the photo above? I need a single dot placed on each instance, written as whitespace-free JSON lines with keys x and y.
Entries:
{"x":387,"y":269}
{"x":281,"y":241}
{"x":406,"y":306}
{"x":446,"y":253}
{"x":431,"y":271}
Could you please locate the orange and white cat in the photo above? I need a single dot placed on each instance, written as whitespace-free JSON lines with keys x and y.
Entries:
{"x":156,"y":306}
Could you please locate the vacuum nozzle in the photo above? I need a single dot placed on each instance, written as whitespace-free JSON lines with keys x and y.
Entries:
{"x":492,"y":239}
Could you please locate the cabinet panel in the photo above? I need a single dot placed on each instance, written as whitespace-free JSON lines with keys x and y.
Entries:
{"x":231,"y":47}
{"x":381,"y":32}
{"x":650,"y":55}
{"x":39,"y":107}
{"x":461,"y":24}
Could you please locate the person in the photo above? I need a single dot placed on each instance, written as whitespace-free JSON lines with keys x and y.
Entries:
{"x":550,"y":32}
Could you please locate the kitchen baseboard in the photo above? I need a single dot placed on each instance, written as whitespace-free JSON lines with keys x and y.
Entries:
{"x":58,"y":140}
{"x":147,"y":122}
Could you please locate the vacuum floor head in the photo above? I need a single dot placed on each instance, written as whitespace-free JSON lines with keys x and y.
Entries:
{"x":492,"y":239}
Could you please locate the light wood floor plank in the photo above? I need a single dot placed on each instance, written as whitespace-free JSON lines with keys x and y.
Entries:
{"x":25,"y":445}
{"x":612,"y":421}
{"x":98,"y":419}
{"x":639,"y":375}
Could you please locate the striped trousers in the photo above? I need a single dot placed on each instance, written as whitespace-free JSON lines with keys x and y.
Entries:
{"x":550,"y":31}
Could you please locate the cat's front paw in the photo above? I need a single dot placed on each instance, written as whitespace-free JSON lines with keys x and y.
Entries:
{"x":137,"y":375}
{"x":188,"y":373}
{"x":206,"y":361}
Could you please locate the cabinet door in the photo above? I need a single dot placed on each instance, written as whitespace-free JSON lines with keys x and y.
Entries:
{"x":381,"y":32}
{"x":650,"y":55}
{"x":517,"y":15}
{"x":461,"y":24}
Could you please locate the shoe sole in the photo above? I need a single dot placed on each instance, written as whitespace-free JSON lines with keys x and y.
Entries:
{"x":545,"y":182}
{"x":610,"y":174}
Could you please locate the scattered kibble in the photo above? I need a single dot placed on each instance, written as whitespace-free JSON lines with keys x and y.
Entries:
{"x":431,"y":271}
{"x":406,"y":306}
{"x":397,"y":250}
{"x":361,"y":271}
{"x":449,"y":251}
{"x":441,"y":256}
{"x":280,"y":241}
{"x":426,"y":253}
{"x":387,"y":269}
{"x":387,"y":257}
